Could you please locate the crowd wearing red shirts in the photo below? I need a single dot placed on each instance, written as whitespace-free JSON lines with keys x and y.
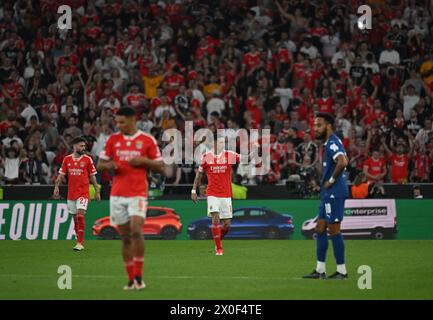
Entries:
{"x":251,"y":64}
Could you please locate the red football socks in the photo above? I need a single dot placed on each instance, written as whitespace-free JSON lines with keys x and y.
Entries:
{"x":224,"y":231}
{"x":129,"y":266}
{"x":76,"y":225}
{"x":216,"y":233}
{"x":81,"y":228}
{"x":138,"y":266}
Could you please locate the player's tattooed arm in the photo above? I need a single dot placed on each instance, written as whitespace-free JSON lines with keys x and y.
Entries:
{"x":56,"y":192}
{"x":95,"y":185}
{"x":339,"y":168}
{"x":196,"y":185}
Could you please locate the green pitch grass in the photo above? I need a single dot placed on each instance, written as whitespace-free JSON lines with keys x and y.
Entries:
{"x":190,"y":270}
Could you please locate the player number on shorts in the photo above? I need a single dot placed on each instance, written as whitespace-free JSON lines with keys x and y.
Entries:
{"x":327,"y":208}
{"x":83,"y":201}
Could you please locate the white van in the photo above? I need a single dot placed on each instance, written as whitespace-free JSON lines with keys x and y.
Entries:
{"x":373,"y":218}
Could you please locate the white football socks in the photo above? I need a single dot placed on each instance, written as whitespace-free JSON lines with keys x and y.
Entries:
{"x":321,"y":267}
{"x":341,"y":268}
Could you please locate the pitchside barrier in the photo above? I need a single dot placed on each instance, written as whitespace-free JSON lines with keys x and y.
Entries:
{"x":37,"y":220}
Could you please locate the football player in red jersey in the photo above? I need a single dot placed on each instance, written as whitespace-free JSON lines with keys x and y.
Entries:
{"x":78,"y":167}
{"x":131,"y":153}
{"x":217,"y":164}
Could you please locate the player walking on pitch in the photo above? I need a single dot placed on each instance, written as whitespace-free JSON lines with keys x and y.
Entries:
{"x":217,"y":166}
{"x":333,"y":194}
{"x":130,"y":153}
{"x":78,"y":167}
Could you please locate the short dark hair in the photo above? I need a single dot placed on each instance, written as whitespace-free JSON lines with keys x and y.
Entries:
{"x":126,"y":111}
{"x":78,"y":140}
{"x":327,"y":117}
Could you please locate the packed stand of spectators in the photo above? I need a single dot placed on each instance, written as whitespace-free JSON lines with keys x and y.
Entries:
{"x":221,"y":64}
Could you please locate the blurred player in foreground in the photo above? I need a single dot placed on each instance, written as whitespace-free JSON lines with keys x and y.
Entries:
{"x":333,"y":194}
{"x":78,"y":167}
{"x":130,"y":154}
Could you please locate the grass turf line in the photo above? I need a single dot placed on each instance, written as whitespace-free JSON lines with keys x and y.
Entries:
{"x":249,"y":269}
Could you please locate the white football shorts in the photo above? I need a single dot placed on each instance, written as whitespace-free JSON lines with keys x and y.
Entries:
{"x":221,"y":205}
{"x":122,"y":208}
{"x":79,"y":204}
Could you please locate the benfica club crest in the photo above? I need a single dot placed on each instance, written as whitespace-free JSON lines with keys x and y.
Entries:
{"x":139,"y":144}
{"x":82,"y":164}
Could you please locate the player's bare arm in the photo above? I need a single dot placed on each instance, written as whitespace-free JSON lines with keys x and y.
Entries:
{"x":95,"y":185}
{"x":106,"y":165}
{"x":56,"y":192}
{"x":153,"y":165}
{"x":339,"y":168}
{"x":195,"y":186}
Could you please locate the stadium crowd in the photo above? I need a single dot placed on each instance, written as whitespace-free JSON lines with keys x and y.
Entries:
{"x":221,"y":64}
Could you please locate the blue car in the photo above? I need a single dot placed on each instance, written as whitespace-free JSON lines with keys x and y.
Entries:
{"x":248,"y":223}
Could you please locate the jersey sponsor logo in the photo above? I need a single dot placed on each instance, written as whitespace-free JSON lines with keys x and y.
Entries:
{"x":76,"y":172}
{"x":218,"y":169}
{"x":126,"y":155}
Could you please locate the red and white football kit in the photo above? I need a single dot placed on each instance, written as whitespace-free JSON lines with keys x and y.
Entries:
{"x":218,"y":169}
{"x":129,"y":189}
{"x":78,"y":171}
